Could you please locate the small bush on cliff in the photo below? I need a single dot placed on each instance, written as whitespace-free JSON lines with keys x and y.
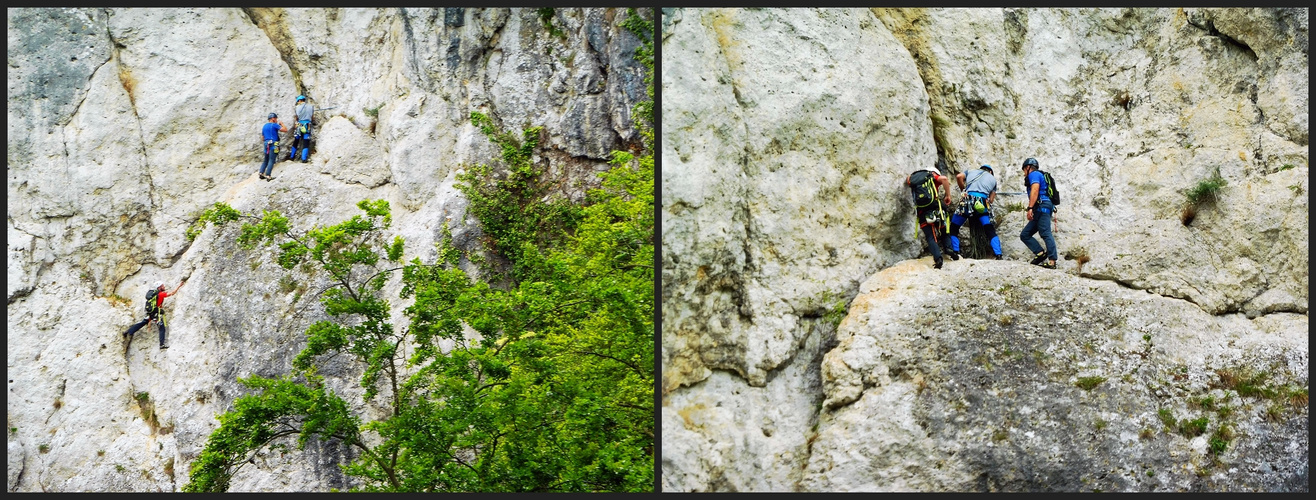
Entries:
{"x":1204,"y":192}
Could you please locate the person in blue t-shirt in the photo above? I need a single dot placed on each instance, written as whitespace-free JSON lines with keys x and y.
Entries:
{"x":270,"y":133}
{"x":1039,"y":217}
{"x":979,"y":192}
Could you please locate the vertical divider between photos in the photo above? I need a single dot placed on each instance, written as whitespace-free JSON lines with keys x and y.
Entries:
{"x":658,"y":245}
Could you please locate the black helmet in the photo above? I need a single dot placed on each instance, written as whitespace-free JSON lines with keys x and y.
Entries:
{"x":272,"y":116}
{"x":1031,"y":162}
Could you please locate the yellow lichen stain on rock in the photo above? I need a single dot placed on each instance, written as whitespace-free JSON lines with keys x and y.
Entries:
{"x":687,"y":412}
{"x":724,"y":24}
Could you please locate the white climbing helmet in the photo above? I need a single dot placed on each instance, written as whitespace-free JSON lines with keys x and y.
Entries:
{"x":159,"y":285}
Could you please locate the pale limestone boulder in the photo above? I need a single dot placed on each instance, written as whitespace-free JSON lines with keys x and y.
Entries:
{"x":965,"y":379}
{"x":349,"y":155}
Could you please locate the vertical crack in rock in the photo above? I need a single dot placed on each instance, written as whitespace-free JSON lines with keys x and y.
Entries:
{"x":271,"y":21}
{"x":908,"y":27}
{"x":128,"y":83}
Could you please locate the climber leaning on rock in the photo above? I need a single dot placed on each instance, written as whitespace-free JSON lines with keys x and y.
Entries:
{"x":154,"y":312}
{"x":1039,"y":216}
{"x":302,"y":133}
{"x":928,"y":206}
{"x":976,"y":202}
{"x":270,"y":133}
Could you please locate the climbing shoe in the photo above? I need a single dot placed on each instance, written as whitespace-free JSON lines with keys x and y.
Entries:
{"x":998,"y":257}
{"x":954,"y":255}
{"x":937,"y":264}
{"x":164,"y":346}
{"x":1041,"y":257}
{"x":1048,"y":265}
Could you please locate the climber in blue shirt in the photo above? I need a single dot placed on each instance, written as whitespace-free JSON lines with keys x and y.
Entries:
{"x":270,"y":133}
{"x":1039,"y":213}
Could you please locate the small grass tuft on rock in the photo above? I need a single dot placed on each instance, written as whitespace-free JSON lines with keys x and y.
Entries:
{"x":1088,"y":383}
{"x":1220,"y":439}
{"x":1193,"y":428}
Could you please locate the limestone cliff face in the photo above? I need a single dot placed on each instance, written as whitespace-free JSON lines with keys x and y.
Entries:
{"x":124,"y":123}
{"x":786,"y":137}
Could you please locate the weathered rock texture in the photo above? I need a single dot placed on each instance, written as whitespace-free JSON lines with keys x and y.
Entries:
{"x":969,"y":380}
{"x":787,"y":135}
{"x":124,"y":123}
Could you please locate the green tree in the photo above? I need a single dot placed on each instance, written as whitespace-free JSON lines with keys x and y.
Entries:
{"x":535,"y":376}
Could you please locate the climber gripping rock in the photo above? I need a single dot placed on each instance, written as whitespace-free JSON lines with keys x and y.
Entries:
{"x":301,"y":134}
{"x":270,"y":133}
{"x":154,"y":312}
{"x":979,"y":192}
{"x":929,"y":208}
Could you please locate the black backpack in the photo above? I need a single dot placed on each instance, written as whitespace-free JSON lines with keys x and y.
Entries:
{"x":1051,"y":191}
{"x":150,"y":302}
{"x":924,"y":188}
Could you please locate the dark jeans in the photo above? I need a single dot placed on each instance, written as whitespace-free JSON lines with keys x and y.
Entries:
{"x":271,"y":156}
{"x":1041,"y":223}
{"x":934,"y":231}
{"x":133,"y":329}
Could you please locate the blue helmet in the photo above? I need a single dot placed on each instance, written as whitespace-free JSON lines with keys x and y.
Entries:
{"x":987,"y":168}
{"x":301,"y":98}
{"x":272,"y":116}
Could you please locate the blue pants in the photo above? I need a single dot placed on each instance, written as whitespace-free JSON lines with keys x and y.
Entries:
{"x":1041,"y":223}
{"x":957,"y":221}
{"x":302,"y":138}
{"x":271,"y":156}
{"x":966,"y":213}
{"x":133,"y":329}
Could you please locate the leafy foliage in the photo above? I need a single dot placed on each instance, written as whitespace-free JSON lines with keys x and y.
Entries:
{"x":535,"y":376}
{"x":1206,"y":190}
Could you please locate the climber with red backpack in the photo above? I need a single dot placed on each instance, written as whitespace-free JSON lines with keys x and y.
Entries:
{"x":154,"y":311}
{"x":929,"y":208}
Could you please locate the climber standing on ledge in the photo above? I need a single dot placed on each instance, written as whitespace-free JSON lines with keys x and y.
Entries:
{"x":270,"y":133}
{"x":928,"y":207}
{"x":977,"y":196}
{"x":154,"y":312}
{"x":302,"y":133}
{"x":1039,"y":213}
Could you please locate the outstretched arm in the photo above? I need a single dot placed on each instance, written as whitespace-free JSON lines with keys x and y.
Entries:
{"x":180,"y":285}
